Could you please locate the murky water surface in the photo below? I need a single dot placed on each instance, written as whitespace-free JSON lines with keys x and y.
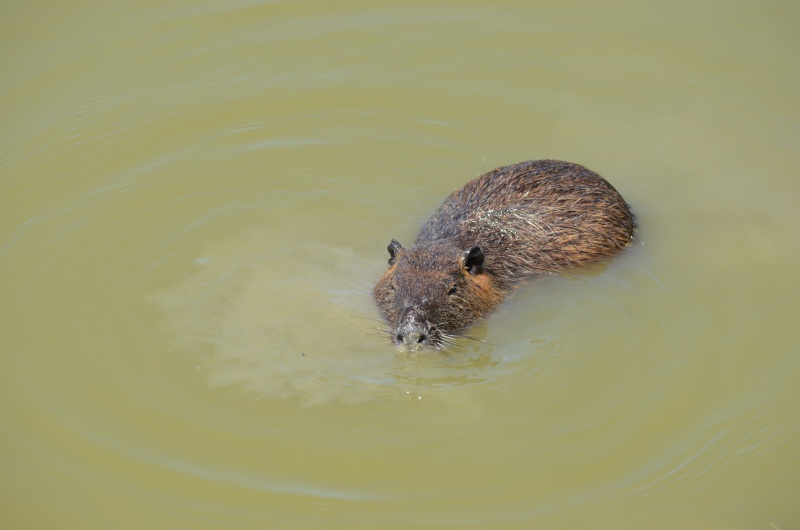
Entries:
{"x":196,"y":198}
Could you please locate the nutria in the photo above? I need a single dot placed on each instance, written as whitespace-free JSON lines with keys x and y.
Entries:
{"x":510,"y":224}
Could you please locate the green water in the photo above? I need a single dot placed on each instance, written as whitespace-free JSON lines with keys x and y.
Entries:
{"x":195,"y":201}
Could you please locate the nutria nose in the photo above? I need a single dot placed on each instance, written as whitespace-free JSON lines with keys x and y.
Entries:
{"x":412,"y":329}
{"x":411,"y":338}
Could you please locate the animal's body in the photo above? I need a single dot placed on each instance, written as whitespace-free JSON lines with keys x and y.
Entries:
{"x":505,"y":226}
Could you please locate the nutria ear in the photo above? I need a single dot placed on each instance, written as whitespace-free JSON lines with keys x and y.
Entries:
{"x":473,"y":259}
{"x":393,"y":248}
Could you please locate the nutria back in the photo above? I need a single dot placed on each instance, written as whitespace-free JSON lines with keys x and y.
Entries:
{"x":510,"y":224}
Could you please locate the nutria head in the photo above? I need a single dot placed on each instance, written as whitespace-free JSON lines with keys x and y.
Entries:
{"x":433,"y":291}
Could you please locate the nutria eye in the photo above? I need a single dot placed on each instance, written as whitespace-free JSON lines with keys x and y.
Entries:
{"x":452,"y":290}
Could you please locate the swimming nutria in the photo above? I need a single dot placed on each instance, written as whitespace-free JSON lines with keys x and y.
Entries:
{"x":504,"y":226}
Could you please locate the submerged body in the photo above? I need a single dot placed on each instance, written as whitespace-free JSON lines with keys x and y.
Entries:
{"x":507,"y":225}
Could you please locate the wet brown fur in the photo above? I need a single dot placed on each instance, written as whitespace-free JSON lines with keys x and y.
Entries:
{"x":525,"y":219}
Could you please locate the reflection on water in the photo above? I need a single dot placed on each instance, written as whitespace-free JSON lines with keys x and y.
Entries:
{"x":275,"y":319}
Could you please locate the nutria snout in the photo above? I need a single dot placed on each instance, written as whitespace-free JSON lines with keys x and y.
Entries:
{"x":510,"y":224}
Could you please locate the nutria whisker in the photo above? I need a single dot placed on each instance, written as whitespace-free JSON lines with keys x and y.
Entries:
{"x":447,"y":344}
{"x":372,"y":319}
{"x":477,"y":340}
{"x":378,"y":332}
{"x":508,"y":225}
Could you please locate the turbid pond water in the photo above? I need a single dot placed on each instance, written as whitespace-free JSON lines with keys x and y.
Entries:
{"x":195,"y":202}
